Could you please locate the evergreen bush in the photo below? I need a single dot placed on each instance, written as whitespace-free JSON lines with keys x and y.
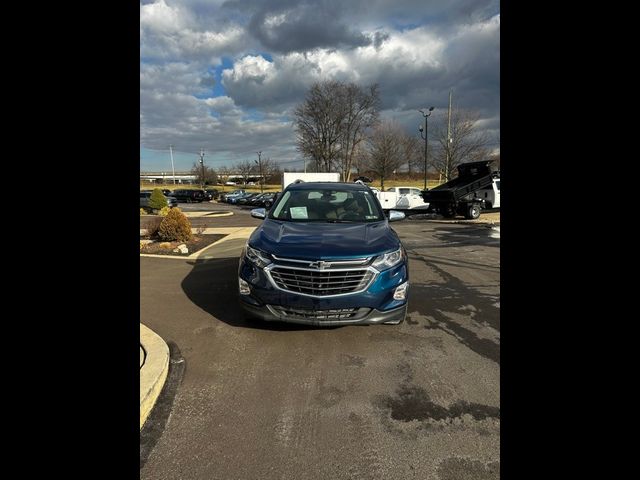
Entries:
{"x":175,"y":227}
{"x":157,"y":200}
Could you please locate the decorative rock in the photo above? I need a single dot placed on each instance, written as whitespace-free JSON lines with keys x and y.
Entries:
{"x":165,"y":245}
{"x":181,"y":249}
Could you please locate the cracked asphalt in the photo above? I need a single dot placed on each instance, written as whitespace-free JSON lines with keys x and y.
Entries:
{"x":417,"y":400}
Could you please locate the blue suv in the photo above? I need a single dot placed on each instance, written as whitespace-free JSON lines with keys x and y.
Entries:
{"x":325,"y":255}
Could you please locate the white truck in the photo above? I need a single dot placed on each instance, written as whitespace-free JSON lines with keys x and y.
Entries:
{"x":290,"y":177}
{"x":403,"y":198}
{"x":491,"y":194}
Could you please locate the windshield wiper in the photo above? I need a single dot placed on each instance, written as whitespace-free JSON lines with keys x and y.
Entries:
{"x":337,"y":220}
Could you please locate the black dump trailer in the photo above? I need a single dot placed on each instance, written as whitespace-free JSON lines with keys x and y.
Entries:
{"x":456,"y":196}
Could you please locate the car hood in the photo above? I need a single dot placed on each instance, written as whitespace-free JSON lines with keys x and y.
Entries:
{"x":320,"y":240}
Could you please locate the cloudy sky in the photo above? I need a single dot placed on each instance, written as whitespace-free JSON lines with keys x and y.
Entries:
{"x":225,"y":75}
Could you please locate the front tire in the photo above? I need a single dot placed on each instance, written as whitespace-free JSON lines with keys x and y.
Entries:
{"x":473,"y":212}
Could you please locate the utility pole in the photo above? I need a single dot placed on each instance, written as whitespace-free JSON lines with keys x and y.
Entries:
{"x":446,"y":164}
{"x":173,"y":170}
{"x":202,"y":166}
{"x":426,"y":140}
{"x":259,"y":163}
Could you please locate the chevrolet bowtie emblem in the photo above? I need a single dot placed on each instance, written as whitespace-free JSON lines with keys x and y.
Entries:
{"x":321,"y":265}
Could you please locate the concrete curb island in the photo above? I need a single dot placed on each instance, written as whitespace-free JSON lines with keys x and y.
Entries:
{"x":154,"y":366}
{"x":230,"y":233}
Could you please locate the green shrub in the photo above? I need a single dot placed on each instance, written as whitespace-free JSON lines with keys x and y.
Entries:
{"x":175,"y":227}
{"x":164,"y":211}
{"x":143,"y":211}
{"x":157,"y":200}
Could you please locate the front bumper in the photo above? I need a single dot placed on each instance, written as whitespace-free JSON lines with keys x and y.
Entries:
{"x":270,"y":314}
{"x":372,"y":306}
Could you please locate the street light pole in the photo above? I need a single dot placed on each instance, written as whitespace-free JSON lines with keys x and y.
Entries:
{"x":259,"y":162}
{"x":426,"y":141}
{"x":202,"y":166}
{"x":173,"y":170}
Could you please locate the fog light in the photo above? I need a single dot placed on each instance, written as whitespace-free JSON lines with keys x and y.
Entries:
{"x":244,"y":287}
{"x":401,"y":291}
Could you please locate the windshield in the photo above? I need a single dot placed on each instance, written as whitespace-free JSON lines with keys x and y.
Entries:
{"x":328,"y":205}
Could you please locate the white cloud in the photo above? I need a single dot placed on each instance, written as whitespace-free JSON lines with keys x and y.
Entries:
{"x":224,"y":106}
{"x":415,"y":59}
{"x":175,"y":34}
{"x":160,"y":17}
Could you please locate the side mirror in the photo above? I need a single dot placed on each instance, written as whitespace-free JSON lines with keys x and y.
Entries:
{"x":394,"y":216}
{"x":261,"y":213}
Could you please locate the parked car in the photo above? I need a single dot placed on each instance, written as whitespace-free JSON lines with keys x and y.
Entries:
{"x":145,"y":195}
{"x":265,"y":200}
{"x":189,"y":196}
{"x":211,"y":193}
{"x":233,"y":196}
{"x":325,"y":254}
{"x":255,"y":200}
{"x":246,"y":198}
{"x":223,"y":196}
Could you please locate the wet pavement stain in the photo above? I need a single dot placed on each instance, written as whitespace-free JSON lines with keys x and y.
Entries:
{"x":413,"y":403}
{"x":455,"y":468}
{"x":454,"y":295}
{"x":484,"y":235}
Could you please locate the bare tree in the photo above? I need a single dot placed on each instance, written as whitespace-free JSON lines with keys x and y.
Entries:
{"x":385,"y":150}
{"x":465,"y":144}
{"x":244,"y":168}
{"x":210,"y":175}
{"x":224,"y":173}
{"x":273,"y":173}
{"x":361,"y":159}
{"x":359,"y":114}
{"x":265,"y":168}
{"x":332,"y":121}
{"x":413,"y":152}
{"x":317,"y":125}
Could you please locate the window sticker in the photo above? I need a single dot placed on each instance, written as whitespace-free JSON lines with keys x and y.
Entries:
{"x":371,"y":217}
{"x":298,"y":212}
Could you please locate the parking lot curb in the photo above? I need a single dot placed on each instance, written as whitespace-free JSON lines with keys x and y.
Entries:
{"x":198,"y":214}
{"x":206,"y":214}
{"x":153,"y":370}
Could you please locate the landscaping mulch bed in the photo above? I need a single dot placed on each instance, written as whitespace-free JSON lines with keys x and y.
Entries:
{"x":166,"y":248}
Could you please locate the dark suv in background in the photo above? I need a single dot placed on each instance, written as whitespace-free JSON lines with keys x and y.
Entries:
{"x":211,"y":194}
{"x":189,"y":196}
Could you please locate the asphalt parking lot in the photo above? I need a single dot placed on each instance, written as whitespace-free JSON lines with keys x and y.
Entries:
{"x":262,"y":401}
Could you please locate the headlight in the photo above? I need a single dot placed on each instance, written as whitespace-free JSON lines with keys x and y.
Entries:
{"x":388,"y":260}
{"x":260,"y":259}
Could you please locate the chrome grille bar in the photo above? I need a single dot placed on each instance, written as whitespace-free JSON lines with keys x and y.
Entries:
{"x":320,"y":283}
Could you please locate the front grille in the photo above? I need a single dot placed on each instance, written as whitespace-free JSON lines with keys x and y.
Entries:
{"x":321,"y":283}
{"x":332,"y":314}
